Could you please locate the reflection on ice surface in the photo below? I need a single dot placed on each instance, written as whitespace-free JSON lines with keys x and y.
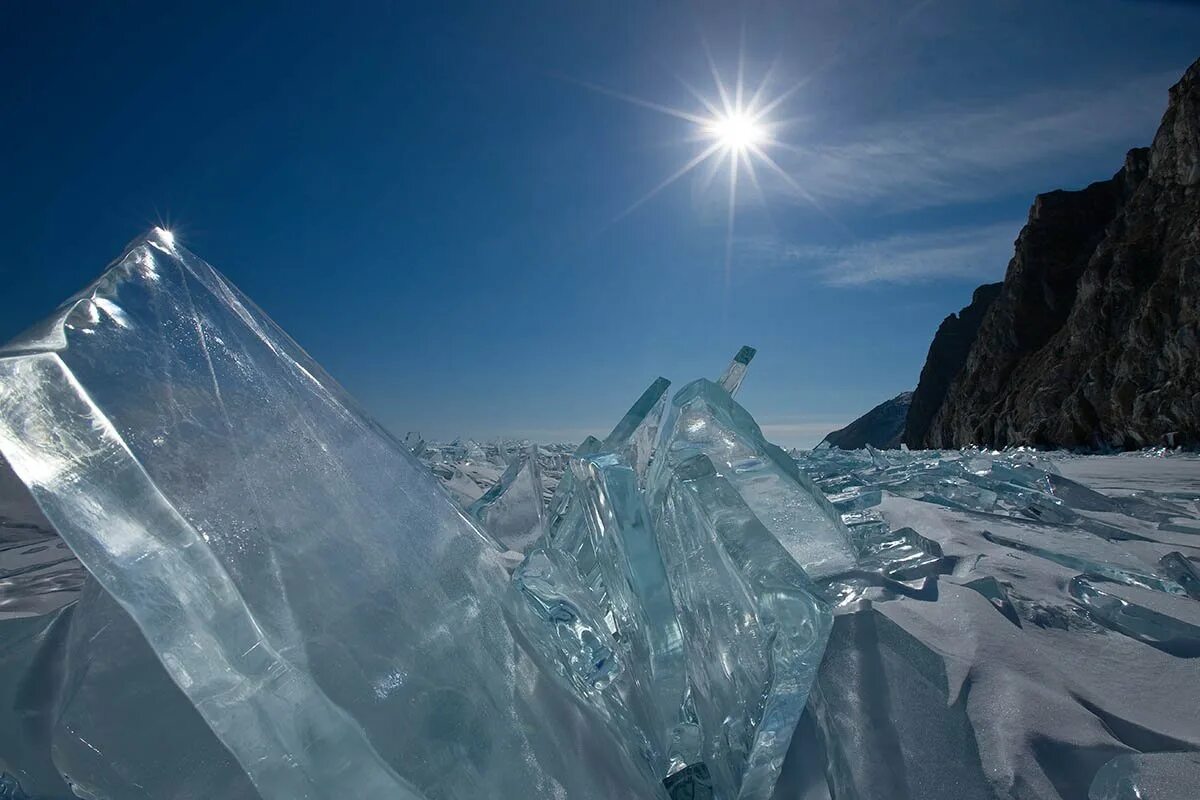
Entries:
{"x":275,"y":598}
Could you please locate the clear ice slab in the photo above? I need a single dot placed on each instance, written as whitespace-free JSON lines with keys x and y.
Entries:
{"x":513,"y":510}
{"x":703,"y":419}
{"x":735,"y":373}
{"x":300,"y":576}
{"x":754,"y":626}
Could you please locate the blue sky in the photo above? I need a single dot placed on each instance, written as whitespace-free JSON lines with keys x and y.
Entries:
{"x":431,"y":199}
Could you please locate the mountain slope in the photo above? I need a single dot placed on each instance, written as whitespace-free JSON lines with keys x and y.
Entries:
{"x":882,"y":426}
{"x":1094,"y":339}
{"x":947,"y":355}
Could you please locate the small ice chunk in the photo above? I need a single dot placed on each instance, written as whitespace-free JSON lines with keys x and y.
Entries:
{"x":735,"y":373}
{"x":1148,"y":776}
{"x":512,"y":511}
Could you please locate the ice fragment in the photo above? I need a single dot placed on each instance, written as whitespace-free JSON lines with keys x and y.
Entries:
{"x":735,"y":373}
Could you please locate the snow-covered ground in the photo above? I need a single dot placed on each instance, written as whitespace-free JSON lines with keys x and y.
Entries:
{"x":1045,"y":632}
{"x":1132,"y":472}
{"x":1019,"y":621}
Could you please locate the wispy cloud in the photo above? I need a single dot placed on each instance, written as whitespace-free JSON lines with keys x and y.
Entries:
{"x":970,"y":151}
{"x":967,"y":253}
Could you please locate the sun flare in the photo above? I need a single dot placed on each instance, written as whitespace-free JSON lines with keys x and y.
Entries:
{"x":737,"y":131}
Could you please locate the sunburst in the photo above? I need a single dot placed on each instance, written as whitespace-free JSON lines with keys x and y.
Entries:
{"x":735,"y":130}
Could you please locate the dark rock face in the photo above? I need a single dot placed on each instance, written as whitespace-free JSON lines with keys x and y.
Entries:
{"x":882,"y":426}
{"x":947,"y":355}
{"x":1094,"y":340}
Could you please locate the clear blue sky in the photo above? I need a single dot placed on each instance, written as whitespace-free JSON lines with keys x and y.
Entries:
{"x":426,"y":196}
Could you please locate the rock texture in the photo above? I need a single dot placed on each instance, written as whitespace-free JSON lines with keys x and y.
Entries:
{"x":947,"y":355}
{"x":1094,"y":339}
{"x":882,"y":426}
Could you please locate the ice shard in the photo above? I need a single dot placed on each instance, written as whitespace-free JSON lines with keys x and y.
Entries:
{"x":1148,"y":776}
{"x":735,"y":373}
{"x":1168,"y":622}
{"x":1080,"y":551}
{"x":635,"y":436}
{"x":512,"y":511}
{"x":754,"y":627}
{"x":704,"y":420}
{"x":636,"y":588}
{"x":296,"y":570}
{"x":1176,"y":567}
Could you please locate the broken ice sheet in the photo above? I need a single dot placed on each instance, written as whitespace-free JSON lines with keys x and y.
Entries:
{"x":635,"y":436}
{"x":1166,"y":621}
{"x":704,"y":420}
{"x":636,"y":588}
{"x":754,"y":627}
{"x":1148,"y":776}
{"x":512,"y":511}
{"x":282,"y":554}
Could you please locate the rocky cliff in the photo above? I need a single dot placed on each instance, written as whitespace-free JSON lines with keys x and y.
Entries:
{"x":1094,"y":338}
{"x":882,"y":426}
{"x":947,"y":355}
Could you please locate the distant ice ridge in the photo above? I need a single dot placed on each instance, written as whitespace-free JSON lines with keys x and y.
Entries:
{"x":282,"y":601}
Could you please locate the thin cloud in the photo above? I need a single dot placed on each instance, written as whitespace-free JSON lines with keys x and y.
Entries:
{"x":969,"y":253}
{"x":973,"y":152}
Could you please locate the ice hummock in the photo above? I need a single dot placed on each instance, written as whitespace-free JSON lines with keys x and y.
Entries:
{"x":326,"y":615}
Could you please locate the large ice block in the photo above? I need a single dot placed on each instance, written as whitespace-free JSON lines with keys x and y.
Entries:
{"x":704,"y":420}
{"x":636,"y":589}
{"x":754,"y":627}
{"x":331,"y":614}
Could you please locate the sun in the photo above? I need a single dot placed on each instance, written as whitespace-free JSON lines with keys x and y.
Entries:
{"x":737,"y":131}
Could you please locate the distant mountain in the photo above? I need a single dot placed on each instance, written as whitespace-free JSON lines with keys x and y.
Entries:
{"x":882,"y":426}
{"x":1093,"y":339}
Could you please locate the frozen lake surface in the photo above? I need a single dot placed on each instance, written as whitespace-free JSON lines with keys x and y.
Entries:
{"x":1015,"y":629}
